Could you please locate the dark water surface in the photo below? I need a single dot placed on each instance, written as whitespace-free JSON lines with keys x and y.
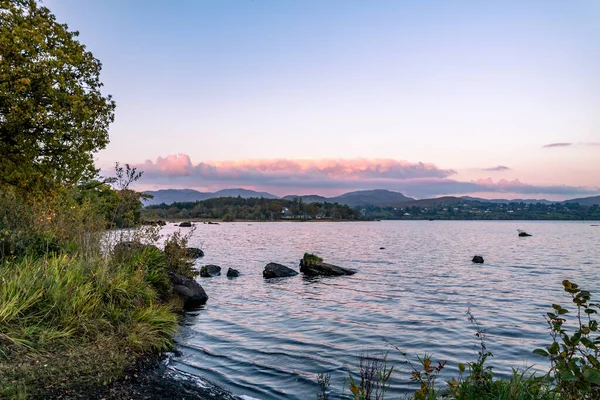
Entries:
{"x":269,"y":338}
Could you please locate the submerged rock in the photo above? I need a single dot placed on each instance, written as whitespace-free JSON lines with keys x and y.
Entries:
{"x":323,"y":269}
{"x":194,"y":252}
{"x":185,"y":224}
{"x":274,"y":270}
{"x":523,"y":234}
{"x":382,"y":248}
{"x":208,"y":271}
{"x":478,"y":260}
{"x":189,"y":290}
{"x":233,"y":273}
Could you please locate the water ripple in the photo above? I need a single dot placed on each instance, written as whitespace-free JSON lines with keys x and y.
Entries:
{"x":269,"y":338}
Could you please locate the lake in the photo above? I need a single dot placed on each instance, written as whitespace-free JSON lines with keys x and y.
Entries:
{"x":268,"y":339}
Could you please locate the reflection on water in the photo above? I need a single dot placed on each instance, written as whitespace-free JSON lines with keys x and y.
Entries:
{"x":269,"y":339}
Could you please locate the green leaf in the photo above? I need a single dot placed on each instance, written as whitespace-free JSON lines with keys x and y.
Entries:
{"x":567,"y":376}
{"x":553,"y":349}
{"x":540,"y":352}
{"x":461,"y":366}
{"x":588,"y":343}
{"x":592,"y":375}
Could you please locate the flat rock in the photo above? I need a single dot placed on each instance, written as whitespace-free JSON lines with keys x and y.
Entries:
{"x":324,"y":269}
{"x":274,"y":270}
{"x":189,"y":290}
{"x":208,"y":271}
{"x":185,"y":224}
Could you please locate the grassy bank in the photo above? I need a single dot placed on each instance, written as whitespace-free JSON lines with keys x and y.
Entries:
{"x":74,"y":313}
{"x":69,"y":321}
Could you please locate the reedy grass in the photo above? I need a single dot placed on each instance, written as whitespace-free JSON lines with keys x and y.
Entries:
{"x":65,"y":305}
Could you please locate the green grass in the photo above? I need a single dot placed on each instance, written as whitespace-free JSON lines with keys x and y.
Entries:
{"x":521,"y":385}
{"x":67,"y":321}
{"x":310,"y":259}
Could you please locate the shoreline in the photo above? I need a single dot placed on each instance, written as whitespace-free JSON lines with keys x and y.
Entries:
{"x":151,"y":377}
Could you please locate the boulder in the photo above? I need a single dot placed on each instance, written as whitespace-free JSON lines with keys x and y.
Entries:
{"x":194,"y":252}
{"x":323,"y":269}
{"x":189,"y":290}
{"x":233,"y":273}
{"x":478,"y":260}
{"x":185,"y":224}
{"x":274,"y":270}
{"x":208,"y":271}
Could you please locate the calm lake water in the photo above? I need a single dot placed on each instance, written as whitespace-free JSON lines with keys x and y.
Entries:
{"x":269,"y":338}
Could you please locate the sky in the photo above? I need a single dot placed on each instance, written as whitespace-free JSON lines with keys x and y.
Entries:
{"x":429,"y":98}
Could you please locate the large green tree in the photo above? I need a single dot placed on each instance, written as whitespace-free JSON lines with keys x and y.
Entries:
{"x":53,"y":116}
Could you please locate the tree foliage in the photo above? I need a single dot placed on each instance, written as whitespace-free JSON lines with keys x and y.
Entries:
{"x":53,"y":116}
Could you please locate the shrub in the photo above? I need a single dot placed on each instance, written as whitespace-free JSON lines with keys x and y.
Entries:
{"x":575,"y":367}
{"x":178,"y":259}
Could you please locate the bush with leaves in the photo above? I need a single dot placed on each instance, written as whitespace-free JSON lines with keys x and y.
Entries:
{"x":575,"y":367}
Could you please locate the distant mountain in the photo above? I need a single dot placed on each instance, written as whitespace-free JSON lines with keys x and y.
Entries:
{"x":585,"y":201}
{"x":243,"y":193}
{"x":507,"y":201}
{"x":378,"y":197}
{"x":169,"y":196}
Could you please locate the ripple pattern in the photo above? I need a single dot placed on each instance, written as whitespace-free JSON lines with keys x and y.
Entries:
{"x":269,"y":338}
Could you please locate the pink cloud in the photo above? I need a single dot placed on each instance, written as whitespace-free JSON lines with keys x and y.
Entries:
{"x":176,"y":164}
{"x":274,"y":169}
{"x":331,"y":176}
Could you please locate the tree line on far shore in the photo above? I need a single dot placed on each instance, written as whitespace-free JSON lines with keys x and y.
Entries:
{"x":232,"y":208}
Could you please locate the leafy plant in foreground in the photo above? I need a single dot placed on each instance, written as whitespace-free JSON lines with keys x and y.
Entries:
{"x":374,"y":377}
{"x":574,"y":357}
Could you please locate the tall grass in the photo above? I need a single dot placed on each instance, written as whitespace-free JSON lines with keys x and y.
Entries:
{"x":68,"y":304}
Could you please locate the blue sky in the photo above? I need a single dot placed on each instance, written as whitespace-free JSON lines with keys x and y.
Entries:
{"x":463,"y":85}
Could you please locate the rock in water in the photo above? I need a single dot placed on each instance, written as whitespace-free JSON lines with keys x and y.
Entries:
{"x":274,"y":270}
{"x":323,"y":269}
{"x":523,"y":234}
{"x":194,"y":252}
{"x":185,"y":224}
{"x":189,"y":290}
{"x":208,"y":271}
{"x":478,"y":260}
{"x":233,"y":273}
